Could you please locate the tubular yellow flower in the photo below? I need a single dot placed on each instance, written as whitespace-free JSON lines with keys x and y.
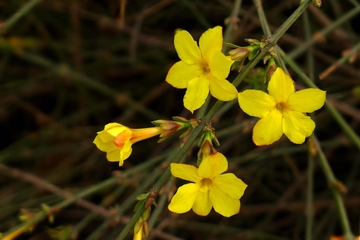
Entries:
{"x":282,"y":110}
{"x":116,"y":140}
{"x":210,"y":188}
{"x":201,"y":69}
{"x":138,"y":235}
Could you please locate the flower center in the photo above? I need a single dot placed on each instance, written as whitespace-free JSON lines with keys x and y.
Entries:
{"x":122,"y":138}
{"x":205,"y":183}
{"x":281,"y":106}
{"x":205,"y":67}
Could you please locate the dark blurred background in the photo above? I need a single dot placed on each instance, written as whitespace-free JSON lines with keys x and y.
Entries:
{"x":68,"y":67}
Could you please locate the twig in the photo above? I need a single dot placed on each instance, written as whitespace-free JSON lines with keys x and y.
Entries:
{"x":339,"y":62}
{"x":346,"y":17}
{"x":27,"y":177}
{"x":334,"y":187}
{"x":19,"y":14}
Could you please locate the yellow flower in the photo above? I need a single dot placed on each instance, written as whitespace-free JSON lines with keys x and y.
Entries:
{"x":282,"y":110}
{"x":201,"y":68}
{"x":116,"y":140}
{"x":209,"y":189}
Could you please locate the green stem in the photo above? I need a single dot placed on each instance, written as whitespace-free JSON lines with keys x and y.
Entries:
{"x":233,"y":16}
{"x":310,"y":172}
{"x":310,"y":199}
{"x":181,"y":153}
{"x":160,"y":206}
{"x":20,"y":13}
{"x":333,"y":183}
{"x":264,"y":25}
{"x":353,"y":13}
{"x":342,"y":60}
{"x":271,"y":41}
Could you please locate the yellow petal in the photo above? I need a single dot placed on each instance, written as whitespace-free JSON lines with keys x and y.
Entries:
{"x":280,"y":86}
{"x":105,"y":147}
{"x":220,"y":65}
{"x":211,"y":41}
{"x":196,"y":93}
{"x":297,"y":126}
{"x":268,"y":129}
{"x":105,"y":137}
{"x":124,"y":155}
{"x":185,"y":171}
{"x":127,"y":146}
{"x":181,"y":73}
{"x":186,"y":47}
{"x":113,"y":156}
{"x":111,"y":125}
{"x":118,"y":156}
{"x":307,"y":100}
{"x":230,"y":184}
{"x":184,"y":198}
{"x":115,"y":131}
{"x":223,"y":203}
{"x":222,"y":89}
{"x":202,"y":205}
{"x":212,"y":165}
{"x":256,"y":103}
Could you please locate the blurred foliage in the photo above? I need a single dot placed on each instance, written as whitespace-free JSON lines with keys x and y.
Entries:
{"x":68,"y":67}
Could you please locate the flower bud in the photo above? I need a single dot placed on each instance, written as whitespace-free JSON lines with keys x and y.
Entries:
{"x":317,"y":3}
{"x":239,"y":54}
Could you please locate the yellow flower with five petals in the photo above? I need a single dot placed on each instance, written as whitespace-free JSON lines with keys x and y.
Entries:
{"x":116,"y":140}
{"x":202,"y":68}
{"x":210,"y":188}
{"x":282,"y":110}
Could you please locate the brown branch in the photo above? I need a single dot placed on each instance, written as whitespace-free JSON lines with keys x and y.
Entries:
{"x":27,"y":177}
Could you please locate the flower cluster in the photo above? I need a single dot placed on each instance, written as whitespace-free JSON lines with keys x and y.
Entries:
{"x":203,"y":69}
{"x":282,"y":110}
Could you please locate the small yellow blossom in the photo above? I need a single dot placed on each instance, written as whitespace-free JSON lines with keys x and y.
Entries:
{"x":202,"y":68}
{"x":282,"y":110}
{"x":210,"y":188}
{"x":116,"y":140}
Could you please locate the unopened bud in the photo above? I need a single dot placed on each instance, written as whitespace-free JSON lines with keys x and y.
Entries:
{"x":317,"y":3}
{"x":239,"y":54}
{"x":271,"y":67}
{"x":252,"y":41}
